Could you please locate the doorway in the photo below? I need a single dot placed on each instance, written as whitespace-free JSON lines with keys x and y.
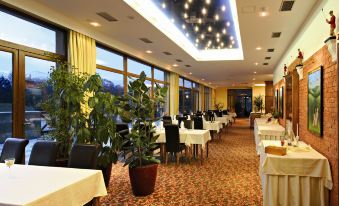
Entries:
{"x":240,"y":101}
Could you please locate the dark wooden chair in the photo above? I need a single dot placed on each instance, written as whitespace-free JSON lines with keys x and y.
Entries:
{"x":14,"y":148}
{"x":44,"y":153}
{"x":83,"y":156}
{"x":173,"y":145}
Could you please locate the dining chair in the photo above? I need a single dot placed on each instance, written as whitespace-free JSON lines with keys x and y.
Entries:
{"x":180,"y":119}
{"x":14,"y":148}
{"x":173,"y":145}
{"x":188,"y":124}
{"x":83,"y":156}
{"x":224,"y":112}
{"x":44,"y":153}
{"x":198,"y":123}
{"x":167,"y":120}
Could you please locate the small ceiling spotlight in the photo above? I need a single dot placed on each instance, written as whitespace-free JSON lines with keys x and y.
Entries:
{"x":204,"y":11}
{"x":223,"y":8}
{"x":263,"y":12}
{"x":163,"y":5}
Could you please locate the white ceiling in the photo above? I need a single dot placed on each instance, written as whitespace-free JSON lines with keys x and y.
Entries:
{"x":255,"y":31}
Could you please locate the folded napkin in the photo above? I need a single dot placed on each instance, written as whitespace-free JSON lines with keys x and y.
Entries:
{"x":161,"y":125}
{"x":182,"y":125}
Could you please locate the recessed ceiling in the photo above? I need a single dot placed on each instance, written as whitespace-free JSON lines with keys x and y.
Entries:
{"x":126,"y":33}
{"x":206,"y":30}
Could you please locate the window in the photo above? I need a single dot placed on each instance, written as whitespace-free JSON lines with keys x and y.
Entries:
{"x":6,"y":97}
{"x":207,"y":98}
{"x":109,"y":59}
{"x":16,"y":29}
{"x":137,"y":67}
{"x":159,"y":75}
{"x":112,"y":82}
{"x":188,"y":96}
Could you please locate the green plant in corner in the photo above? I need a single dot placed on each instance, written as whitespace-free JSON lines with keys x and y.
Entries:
{"x":259,"y":103}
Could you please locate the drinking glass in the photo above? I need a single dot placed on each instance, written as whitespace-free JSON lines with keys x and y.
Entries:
{"x":9,"y":162}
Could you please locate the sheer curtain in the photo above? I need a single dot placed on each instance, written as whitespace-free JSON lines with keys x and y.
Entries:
{"x":174,"y":93}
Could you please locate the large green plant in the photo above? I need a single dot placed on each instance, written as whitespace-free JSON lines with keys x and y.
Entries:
{"x":259,"y":103}
{"x":63,"y":104}
{"x":80,"y":111}
{"x":138,"y":107}
{"x":101,"y":122}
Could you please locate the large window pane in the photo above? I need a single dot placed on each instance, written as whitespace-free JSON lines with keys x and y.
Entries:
{"x":110,"y":59}
{"x":36,"y":73}
{"x":159,"y":75}
{"x":112,"y":82}
{"x":187,"y":84}
{"x":26,"y":33}
{"x":6,"y":96}
{"x":181,"y":100}
{"x":188,"y":101}
{"x":163,"y":109}
{"x":181,"y":82}
{"x":137,"y":67}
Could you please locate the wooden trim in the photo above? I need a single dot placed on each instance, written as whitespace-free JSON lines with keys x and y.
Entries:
{"x":109,"y":69}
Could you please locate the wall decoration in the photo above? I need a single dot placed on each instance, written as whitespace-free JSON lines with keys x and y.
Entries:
{"x":314,"y":106}
{"x":281,"y":102}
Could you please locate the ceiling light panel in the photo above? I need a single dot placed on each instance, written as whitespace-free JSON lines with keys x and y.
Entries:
{"x":193,"y":26}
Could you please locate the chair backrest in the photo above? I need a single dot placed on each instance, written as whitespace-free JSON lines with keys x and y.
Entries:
{"x":44,"y":153}
{"x":172,"y":138}
{"x":83,"y":156}
{"x":167,"y":120}
{"x":198,"y":124}
{"x":188,"y":124}
{"x":224,"y":112}
{"x":180,"y":119}
{"x":14,"y":148}
{"x":121,"y":126}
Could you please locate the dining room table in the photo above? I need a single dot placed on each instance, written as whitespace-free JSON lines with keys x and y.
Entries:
{"x":192,"y":138}
{"x":213,"y":126}
{"x":264,"y":130}
{"x":301,"y":177}
{"x":28,"y":185}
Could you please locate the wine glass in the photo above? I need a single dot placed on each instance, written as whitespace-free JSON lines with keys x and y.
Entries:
{"x":9,"y":162}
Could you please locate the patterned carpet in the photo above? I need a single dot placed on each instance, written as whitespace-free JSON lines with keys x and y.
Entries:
{"x":228,"y":177}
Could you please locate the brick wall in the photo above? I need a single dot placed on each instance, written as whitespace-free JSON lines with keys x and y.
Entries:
{"x":328,"y":143}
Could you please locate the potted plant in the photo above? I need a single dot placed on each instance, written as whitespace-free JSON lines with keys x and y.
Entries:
{"x":259,"y":103}
{"x":138,"y":107}
{"x":63,"y":106}
{"x":101,"y":125}
{"x":80,"y":111}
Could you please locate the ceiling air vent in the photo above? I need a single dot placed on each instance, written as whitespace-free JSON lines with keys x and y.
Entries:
{"x":270,"y":50}
{"x":178,"y":60}
{"x":286,"y":5}
{"x":187,"y":65}
{"x":107,"y":17}
{"x":276,"y":34}
{"x":267,"y":57}
{"x":145,"y":40}
{"x":265,"y":64}
{"x":167,"y":53}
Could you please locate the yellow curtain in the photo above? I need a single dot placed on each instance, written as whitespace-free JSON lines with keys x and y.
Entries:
{"x":174,"y":93}
{"x":202,"y":97}
{"x":82,"y":52}
{"x":212,"y":99}
{"x":82,"y":55}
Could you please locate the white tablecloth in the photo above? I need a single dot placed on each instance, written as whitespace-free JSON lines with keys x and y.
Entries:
{"x":35,"y":185}
{"x":212,"y":126}
{"x":267,"y":132}
{"x":233,"y":114}
{"x":223,"y":120}
{"x":302,"y":177}
{"x":187,"y":136}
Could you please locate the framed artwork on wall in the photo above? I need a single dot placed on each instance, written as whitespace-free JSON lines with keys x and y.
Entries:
{"x":281,"y":101}
{"x":314,"y":102}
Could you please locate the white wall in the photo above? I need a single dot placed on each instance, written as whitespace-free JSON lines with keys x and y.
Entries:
{"x":311,"y":37}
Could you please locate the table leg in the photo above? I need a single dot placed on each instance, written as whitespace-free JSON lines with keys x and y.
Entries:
{"x":162,"y":150}
{"x":206,"y":149}
{"x":96,"y":201}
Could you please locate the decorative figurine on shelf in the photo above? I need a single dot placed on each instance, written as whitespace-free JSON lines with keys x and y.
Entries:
{"x":331,"y":22}
{"x":285,"y":70}
{"x":300,"y":58}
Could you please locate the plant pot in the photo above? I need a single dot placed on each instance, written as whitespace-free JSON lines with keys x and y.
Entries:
{"x":143,"y":179}
{"x":106,"y":172}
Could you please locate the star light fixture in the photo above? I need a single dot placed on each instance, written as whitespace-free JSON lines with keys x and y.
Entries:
{"x":208,"y":30}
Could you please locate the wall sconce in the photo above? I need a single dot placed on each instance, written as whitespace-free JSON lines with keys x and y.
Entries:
{"x":300,"y":70}
{"x":331,"y":44}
